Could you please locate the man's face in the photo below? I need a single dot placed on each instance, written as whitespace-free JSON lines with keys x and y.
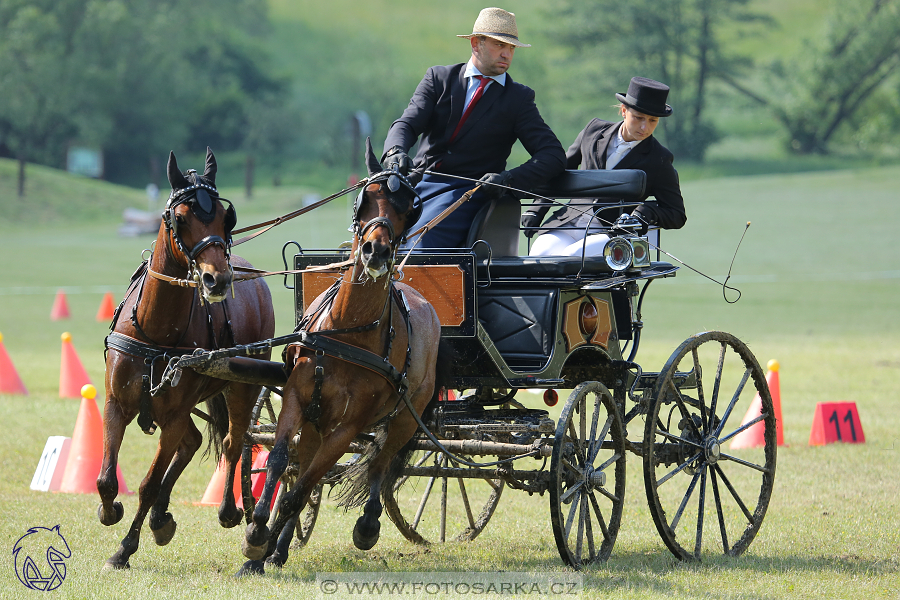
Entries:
{"x":637,"y":125}
{"x":491,"y":57}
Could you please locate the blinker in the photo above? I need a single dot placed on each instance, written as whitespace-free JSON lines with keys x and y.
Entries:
{"x":204,"y":200}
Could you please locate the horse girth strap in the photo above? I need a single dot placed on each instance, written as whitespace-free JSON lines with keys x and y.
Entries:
{"x":150,"y":353}
{"x":355,"y":355}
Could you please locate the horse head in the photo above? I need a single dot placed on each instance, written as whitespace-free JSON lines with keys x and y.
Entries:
{"x":385,"y":210}
{"x":198,"y":227}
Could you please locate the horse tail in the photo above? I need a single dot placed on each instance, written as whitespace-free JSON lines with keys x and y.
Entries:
{"x":217,"y":426}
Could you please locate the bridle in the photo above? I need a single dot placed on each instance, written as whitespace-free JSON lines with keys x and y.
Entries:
{"x":202,"y":198}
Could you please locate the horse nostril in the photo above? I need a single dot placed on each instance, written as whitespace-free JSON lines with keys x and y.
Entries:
{"x":209,"y":280}
{"x":367,"y":249}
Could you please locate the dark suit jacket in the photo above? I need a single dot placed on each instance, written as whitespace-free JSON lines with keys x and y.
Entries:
{"x":504,"y":114}
{"x":589,"y":151}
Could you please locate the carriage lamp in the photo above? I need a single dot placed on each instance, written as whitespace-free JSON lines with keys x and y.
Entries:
{"x":618,"y":254}
{"x":551,"y":397}
{"x":641,"y":249}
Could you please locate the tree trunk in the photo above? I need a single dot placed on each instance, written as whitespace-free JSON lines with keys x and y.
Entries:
{"x":21,"y":177}
{"x":248,"y":177}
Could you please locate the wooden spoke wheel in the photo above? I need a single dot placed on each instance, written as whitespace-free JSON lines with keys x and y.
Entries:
{"x":587,"y":465}
{"x":704,"y":491}
{"x":265,"y":415}
{"x":437,"y":508}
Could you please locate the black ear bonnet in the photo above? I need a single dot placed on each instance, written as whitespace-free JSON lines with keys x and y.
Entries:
{"x":200,"y":195}
{"x":400,"y":193}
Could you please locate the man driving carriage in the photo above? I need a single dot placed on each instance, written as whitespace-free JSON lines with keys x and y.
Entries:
{"x":469,"y":115}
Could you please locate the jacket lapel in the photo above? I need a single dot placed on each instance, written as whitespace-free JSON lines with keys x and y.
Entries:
{"x":636,"y":154}
{"x":491,"y":94}
{"x":602,"y":144}
{"x":457,"y":100}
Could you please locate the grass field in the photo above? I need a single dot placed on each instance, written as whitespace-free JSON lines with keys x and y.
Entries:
{"x":818,"y":278}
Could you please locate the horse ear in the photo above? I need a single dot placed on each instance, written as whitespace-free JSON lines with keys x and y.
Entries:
{"x":176,"y":179}
{"x":372,"y":163}
{"x":211,"y":168}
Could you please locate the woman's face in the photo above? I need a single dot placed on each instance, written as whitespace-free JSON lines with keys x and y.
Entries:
{"x":637,"y":125}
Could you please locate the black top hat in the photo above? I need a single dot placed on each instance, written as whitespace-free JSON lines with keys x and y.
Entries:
{"x":647,"y":96}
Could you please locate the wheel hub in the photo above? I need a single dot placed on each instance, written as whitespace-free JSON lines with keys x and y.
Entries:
{"x":713,"y":450}
{"x":595,"y":479}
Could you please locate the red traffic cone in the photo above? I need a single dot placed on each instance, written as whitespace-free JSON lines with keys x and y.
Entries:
{"x":755,"y":436}
{"x":216,"y":486}
{"x":72,"y":375}
{"x":107,"y":308}
{"x":60,"y":308}
{"x":86,"y":450}
{"x":10,"y":382}
{"x":258,"y":480}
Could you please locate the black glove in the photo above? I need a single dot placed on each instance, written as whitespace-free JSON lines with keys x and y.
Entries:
{"x":530,"y":222}
{"x":495,"y":191}
{"x":627,"y":224}
{"x":646,"y":218}
{"x":398,"y":160}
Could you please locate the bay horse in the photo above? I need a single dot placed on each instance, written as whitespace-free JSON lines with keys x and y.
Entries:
{"x":367,"y":341}
{"x":176,"y":303}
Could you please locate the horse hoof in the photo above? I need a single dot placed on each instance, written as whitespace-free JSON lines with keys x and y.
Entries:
{"x":362,"y":539}
{"x":118,"y":512}
{"x":112,"y":565}
{"x":251,"y":567}
{"x":277,"y":560}
{"x":254,"y":553}
{"x":230,"y":517}
{"x":257,"y":535}
{"x":164,"y":534}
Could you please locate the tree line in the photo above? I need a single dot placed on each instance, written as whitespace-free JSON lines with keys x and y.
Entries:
{"x":139,"y":77}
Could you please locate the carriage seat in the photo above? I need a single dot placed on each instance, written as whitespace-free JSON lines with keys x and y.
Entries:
{"x":497,"y":222}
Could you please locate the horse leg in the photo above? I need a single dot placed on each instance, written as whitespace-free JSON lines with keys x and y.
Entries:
{"x":162,"y":524}
{"x":149,"y":489}
{"x":368,"y":527}
{"x":240,"y":399}
{"x":306,"y":449}
{"x":110,"y":512}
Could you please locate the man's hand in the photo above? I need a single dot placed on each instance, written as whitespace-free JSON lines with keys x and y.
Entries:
{"x":530,"y":222}
{"x":500,"y":179}
{"x":398,"y":160}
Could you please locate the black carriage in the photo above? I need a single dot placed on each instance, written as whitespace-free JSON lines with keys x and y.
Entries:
{"x":549,"y":323}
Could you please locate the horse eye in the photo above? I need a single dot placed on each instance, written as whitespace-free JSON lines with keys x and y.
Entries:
{"x":180,"y":219}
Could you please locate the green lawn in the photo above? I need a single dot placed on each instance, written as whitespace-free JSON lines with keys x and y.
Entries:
{"x":819,"y":281}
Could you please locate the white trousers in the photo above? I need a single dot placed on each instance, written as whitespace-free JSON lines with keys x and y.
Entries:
{"x":568,"y":242}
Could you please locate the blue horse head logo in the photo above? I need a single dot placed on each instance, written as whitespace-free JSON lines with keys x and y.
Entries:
{"x":40,"y":558}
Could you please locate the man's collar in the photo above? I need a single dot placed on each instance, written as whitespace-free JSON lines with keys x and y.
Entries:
{"x":472,"y":70}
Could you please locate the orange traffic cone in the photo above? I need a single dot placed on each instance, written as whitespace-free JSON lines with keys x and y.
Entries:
{"x":107,"y":308}
{"x":60,"y":308}
{"x":86,"y":451}
{"x":216,"y":486}
{"x":10,"y":382}
{"x":72,"y":375}
{"x":755,"y":436}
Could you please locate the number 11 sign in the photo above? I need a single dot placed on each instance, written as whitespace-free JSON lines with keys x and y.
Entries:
{"x":836,"y":422}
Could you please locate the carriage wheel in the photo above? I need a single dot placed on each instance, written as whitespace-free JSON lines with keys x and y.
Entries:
{"x":587,"y":491}
{"x":265,"y":413}
{"x":441,"y":506}
{"x":694,"y":411}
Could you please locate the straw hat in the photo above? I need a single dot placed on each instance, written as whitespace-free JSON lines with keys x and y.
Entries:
{"x":498,"y":24}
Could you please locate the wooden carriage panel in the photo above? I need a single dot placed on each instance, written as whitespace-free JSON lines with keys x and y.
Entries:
{"x":447,"y":281}
{"x":443,"y":286}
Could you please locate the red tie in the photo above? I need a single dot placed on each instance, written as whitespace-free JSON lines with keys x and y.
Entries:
{"x":475,"y":98}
